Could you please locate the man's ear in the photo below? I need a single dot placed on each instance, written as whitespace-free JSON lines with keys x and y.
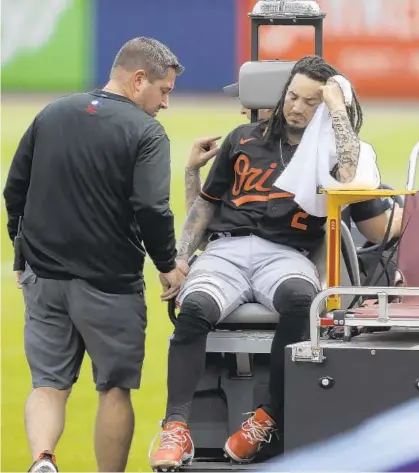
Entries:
{"x":140,"y":76}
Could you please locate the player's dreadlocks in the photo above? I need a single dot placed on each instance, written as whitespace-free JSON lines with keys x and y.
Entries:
{"x":318,"y":69}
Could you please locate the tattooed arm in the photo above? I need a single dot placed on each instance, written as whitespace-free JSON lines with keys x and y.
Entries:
{"x":192,"y":186}
{"x":194,"y":228}
{"x":219,"y":180}
{"x":347,"y":145}
{"x":203,"y":150}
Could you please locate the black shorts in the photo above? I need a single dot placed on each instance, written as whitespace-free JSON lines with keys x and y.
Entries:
{"x":63,"y":319}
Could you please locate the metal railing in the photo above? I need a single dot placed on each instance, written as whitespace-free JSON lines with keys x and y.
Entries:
{"x":382,"y":294}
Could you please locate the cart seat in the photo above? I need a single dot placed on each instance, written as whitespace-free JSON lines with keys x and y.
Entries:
{"x":251,"y":313}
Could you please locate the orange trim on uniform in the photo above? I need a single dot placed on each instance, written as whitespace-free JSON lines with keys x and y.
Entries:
{"x":209,"y":196}
{"x":244,"y":199}
{"x":280,"y":195}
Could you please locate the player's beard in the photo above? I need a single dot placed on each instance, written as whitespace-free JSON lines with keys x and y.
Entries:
{"x":295,"y":131}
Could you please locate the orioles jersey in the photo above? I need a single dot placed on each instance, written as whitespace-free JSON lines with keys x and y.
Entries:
{"x":241,"y":183}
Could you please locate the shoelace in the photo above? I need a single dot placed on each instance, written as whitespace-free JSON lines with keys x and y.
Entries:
{"x":257,"y":432}
{"x":170,"y":439}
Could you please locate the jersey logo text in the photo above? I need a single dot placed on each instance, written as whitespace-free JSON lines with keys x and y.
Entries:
{"x":248,"y":179}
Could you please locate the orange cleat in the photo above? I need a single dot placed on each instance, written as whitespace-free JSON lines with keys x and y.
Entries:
{"x":243,"y":445}
{"x":175,"y":448}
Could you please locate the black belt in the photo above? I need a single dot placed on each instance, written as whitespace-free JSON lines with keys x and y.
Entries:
{"x":237,"y":233}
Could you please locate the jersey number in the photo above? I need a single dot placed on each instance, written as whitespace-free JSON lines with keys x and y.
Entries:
{"x":297,"y":221}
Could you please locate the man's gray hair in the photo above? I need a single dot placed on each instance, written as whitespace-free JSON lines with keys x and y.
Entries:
{"x":148,"y":54}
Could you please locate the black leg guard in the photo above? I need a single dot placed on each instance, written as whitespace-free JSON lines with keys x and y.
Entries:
{"x":198,"y":314}
{"x":292,"y":300}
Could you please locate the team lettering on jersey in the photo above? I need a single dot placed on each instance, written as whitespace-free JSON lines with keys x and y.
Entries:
{"x":248,"y":178}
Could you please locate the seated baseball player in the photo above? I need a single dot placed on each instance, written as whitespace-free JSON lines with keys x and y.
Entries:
{"x":257,"y":252}
{"x":371,"y":217}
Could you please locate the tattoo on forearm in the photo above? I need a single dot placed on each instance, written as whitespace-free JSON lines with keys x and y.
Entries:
{"x":347,"y":146}
{"x":195,"y":226}
{"x":192,"y":186}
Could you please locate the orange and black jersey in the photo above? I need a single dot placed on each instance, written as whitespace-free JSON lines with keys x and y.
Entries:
{"x":241,"y":182}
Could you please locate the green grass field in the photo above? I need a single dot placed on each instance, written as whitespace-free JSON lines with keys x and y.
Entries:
{"x":393,"y":132}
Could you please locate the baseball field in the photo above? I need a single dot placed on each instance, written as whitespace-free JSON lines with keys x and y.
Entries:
{"x":392,"y":130}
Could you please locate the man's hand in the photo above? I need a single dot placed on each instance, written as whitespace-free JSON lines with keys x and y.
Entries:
{"x":18,"y":275}
{"x":332,"y":95}
{"x":203,"y":149}
{"x":171,"y":283}
{"x":183,"y":266}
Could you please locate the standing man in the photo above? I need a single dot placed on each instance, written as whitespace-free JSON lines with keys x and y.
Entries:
{"x":90,"y":181}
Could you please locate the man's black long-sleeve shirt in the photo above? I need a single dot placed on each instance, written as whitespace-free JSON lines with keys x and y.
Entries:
{"x":91,"y":176}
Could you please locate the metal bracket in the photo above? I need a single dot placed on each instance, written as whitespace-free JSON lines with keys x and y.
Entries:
{"x":305,"y":352}
{"x":339,"y":317}
{"x":244,"y":366}
{"x":382,"y":308}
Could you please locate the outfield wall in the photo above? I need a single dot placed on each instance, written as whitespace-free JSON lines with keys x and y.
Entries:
{"x":66,"y":45}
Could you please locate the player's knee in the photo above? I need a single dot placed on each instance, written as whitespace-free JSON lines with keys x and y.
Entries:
{"x":198,"y":314}
{"x":293,"y":297}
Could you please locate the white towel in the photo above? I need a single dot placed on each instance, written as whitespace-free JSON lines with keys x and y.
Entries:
{"x":316,"y":155}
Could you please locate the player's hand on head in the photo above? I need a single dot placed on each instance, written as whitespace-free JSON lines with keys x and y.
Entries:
{"x":171,"y":283}
{"x":332,"y":95}
{"x":203,"y":149}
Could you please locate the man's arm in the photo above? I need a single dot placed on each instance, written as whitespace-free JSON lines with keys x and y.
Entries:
{"x":150,"y":201}
{"x":217,"y":183}
{"x":375,"y":228}
{"x":202,"y":151}
{"x":348,"y":145}
{"x":195,"y":226}
{"x":372,"y":218}
{"x":17,"y":184}
{"x":192,"y":186}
